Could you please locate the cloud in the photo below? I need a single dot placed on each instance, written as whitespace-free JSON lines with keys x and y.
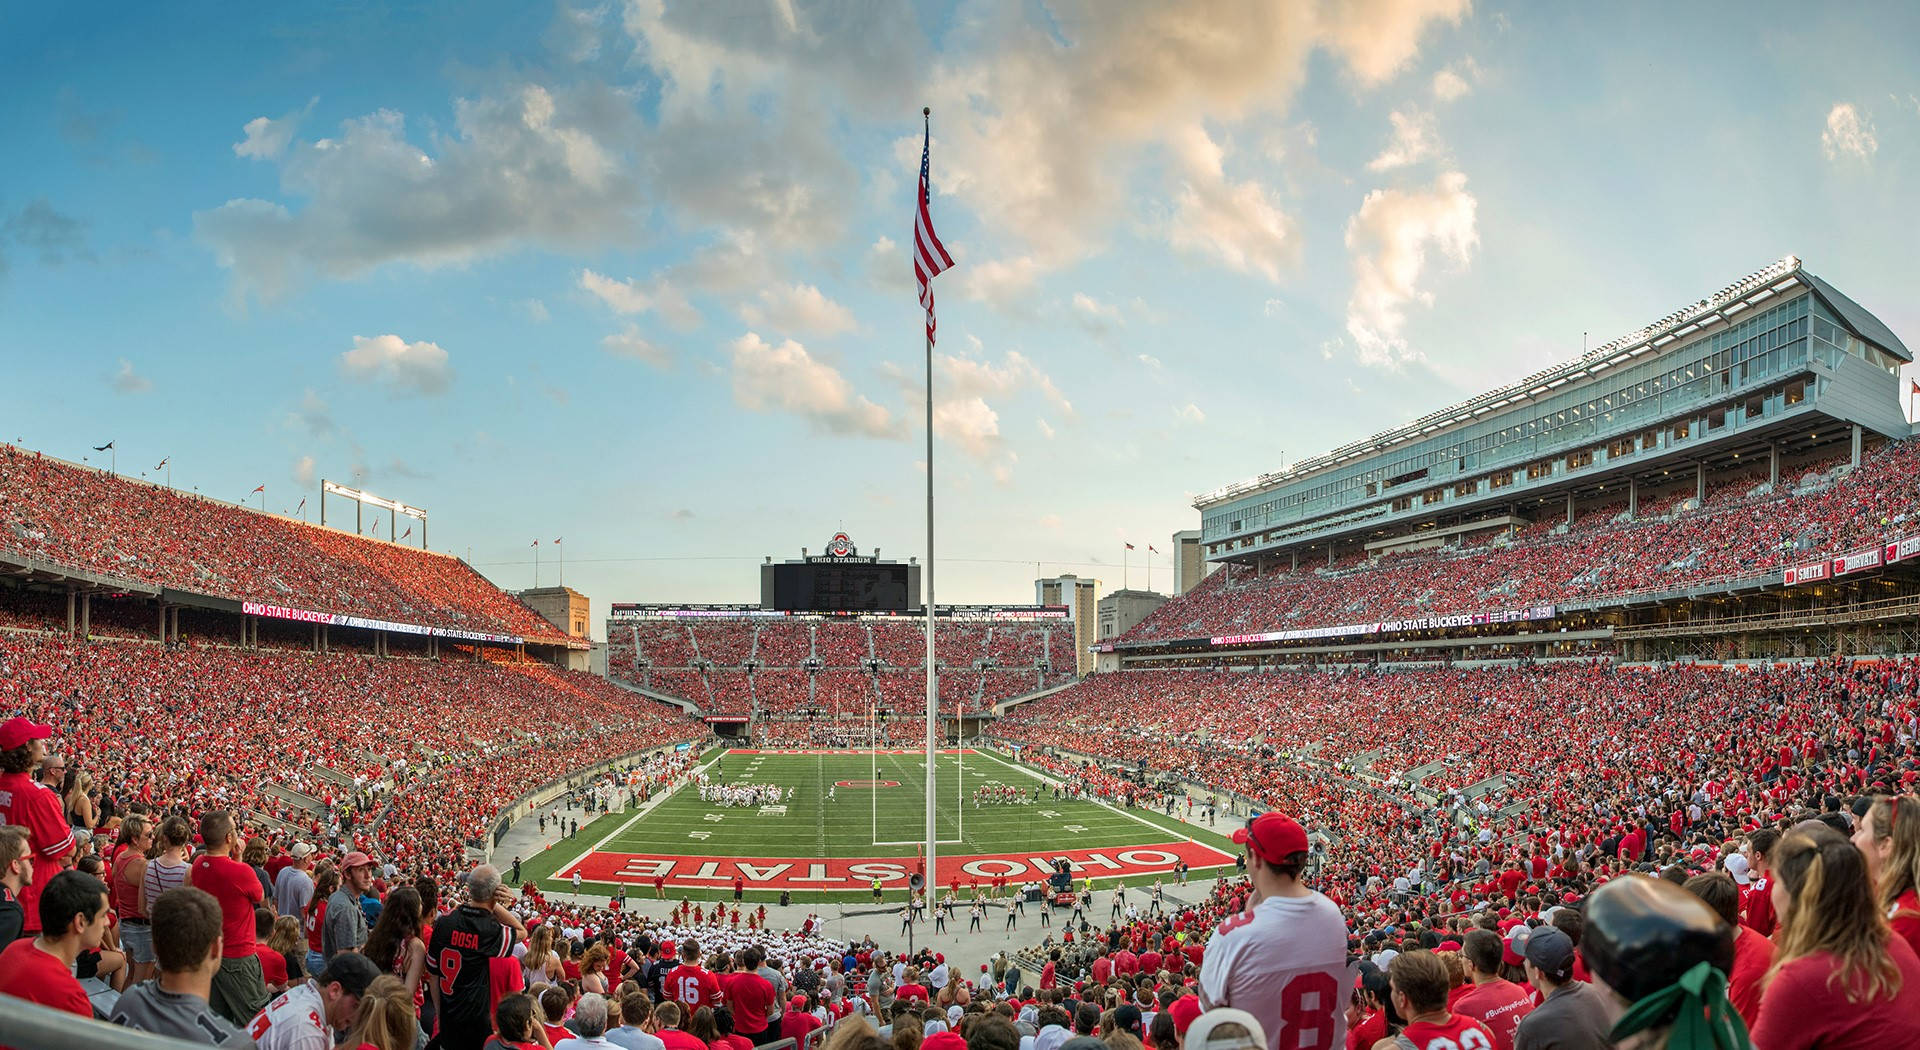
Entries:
{"x":268,"y":139}
{"x":887,"y":265}
{"x":53,"y":236}
{"x":126,"y":381}
{"x":1413,"y":141}
{"x":1389,"y":239}
{"x":400,"y":366}
{"x":303,"y":471}
{"x":798,"y":308}
{"x":785,"y":378}
{"x":1000,"y":283}
{"x":1040,"y":118}
{"x":965,"y":377}
{"x":1189,"y":413}
{"x":1150,"y":361}
{"x":1050,"y":522}
{"x":1848,"y":134}
{"x":1233,"y":223}
{"x":536,"y":310}
{"x":312,"y":416}
{"x":631,"y":344}
{"x":1096,"y":317}
{"x":633,"y":297}
{"x":1046,"y":429}
{"x":526,"y":168}
{"x":1377,"y":38}
{"x":683,"y":514}
{"x":1455,"y":81}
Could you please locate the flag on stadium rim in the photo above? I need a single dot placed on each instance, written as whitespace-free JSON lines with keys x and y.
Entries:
{"x":258,"y":488}
{"x":930,"y":258}
{"x":1129,"y":546}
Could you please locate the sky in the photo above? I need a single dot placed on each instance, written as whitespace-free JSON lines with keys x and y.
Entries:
{"x":634,"y":276}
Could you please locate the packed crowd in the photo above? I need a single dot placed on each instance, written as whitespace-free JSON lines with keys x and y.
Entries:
{"x":408,"y":759}
{"x":1502,"y":799}
{"x":120,"y":528}
{"x":1741,"y":529}
{"x":756,"y":666}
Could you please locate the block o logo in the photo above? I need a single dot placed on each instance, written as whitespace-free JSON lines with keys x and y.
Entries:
{"x":866,"y":783}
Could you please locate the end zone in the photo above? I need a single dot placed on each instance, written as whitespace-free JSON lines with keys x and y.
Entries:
{"x":850,"y":873}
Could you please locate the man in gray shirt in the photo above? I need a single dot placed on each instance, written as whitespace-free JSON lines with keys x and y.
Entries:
{"x":293,"y":887}
{"x":187,"y":944}
{"x":1572,"y":1015}
{"x":770,"y":969}
{"x":346,"y":925}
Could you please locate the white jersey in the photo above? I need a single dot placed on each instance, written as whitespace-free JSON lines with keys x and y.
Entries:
{"x":294,"y":1021}
{"x":1285,"y":958}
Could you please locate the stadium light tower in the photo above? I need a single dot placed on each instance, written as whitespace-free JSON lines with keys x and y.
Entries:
{"x":360,"y":501}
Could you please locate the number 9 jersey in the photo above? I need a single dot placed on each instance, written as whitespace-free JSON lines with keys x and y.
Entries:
{"x":1285,"y":962}
{"x":458,"y":951}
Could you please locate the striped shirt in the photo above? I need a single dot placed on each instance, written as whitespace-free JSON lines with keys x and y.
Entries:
{"x":162,"y":877}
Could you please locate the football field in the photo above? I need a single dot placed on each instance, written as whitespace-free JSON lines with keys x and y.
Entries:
{"x":846,"y":818}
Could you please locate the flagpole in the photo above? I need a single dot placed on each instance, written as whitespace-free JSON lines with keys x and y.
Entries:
{"x":933,"y":707}
{"x":1123,"y":566}
{"x":536,"y":563}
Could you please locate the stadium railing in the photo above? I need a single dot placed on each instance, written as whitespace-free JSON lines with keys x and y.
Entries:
{"x":29,"y":1026}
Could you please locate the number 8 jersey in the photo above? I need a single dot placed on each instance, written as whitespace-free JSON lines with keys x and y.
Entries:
{"x":1285,"y":962}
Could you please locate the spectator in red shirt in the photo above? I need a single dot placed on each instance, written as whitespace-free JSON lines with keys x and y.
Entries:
{"x":751,"y":996}
{"x":1758,"y":901}
{"x":73,"y":919}
{"x":23,"y":746}
{"x":690,"y":984}
{"x":1889,"y":837}
{"x":1496,"y":1003}
{"x":667,"y":1016}
{"x":1840,"y":978}
{"x":239,"y":989}
{"x":1752,"y":953}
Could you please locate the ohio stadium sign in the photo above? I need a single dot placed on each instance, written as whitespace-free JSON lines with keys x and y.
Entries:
{"x":281,"y":612}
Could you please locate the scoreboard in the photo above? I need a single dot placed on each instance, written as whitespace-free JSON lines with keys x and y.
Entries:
{"x":841,"y":587}
{"x":839,"y":580}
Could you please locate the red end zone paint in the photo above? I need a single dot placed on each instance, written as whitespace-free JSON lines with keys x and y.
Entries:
{"x":852,"y":873}
{"x":851,"y":751}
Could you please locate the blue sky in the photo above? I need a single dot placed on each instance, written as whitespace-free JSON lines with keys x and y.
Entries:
{"x":632,"y":274}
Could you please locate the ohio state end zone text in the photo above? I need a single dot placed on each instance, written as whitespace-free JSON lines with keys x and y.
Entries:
{"x":809,"y":873}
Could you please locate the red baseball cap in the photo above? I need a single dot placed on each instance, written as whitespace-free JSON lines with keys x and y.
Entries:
{"x":356,"y":859}
{"x":18,"y":732}
{"x":1184,"y":1010}
{"x":1273,"y":837}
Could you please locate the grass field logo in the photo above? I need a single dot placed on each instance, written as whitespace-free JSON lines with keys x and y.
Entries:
{"x":866,"y":783}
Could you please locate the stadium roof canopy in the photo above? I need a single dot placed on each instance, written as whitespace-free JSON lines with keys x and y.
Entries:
{"x":1722,"y":306}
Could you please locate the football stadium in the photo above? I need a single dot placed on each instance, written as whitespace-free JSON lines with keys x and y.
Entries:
{"x":1578,"y":711}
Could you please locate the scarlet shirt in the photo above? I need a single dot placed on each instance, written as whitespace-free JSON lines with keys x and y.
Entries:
{"x":751,"y":996}
{"x":693,"y":987}
{"x":1499,"y":1006}
{"x":1457,"y":1032}
{"x":1801,"y":1009}
{"x":28,"y":973}
{"x":238,"y":890}
{"x":1904,"y":917}
{"x":273,"y":965}
{"x":1752,"y":955}
{"x":37,"y":809}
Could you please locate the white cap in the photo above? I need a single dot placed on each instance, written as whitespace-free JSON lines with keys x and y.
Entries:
{"x":1737,"y":867}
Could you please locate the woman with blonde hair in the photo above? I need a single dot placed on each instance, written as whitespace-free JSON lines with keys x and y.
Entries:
{"x":290,"y":941}
{"x":1840,"y":979}
{"x":80,"y":809}
{"x":386,"y":1017}
{"x":593,"y":967}
{"x":1889,"y":838}
{"x":955,"y":993}
{"x":540,"y":965}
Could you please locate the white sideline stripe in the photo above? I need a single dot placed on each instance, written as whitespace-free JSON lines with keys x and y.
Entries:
{"x":639,"y":811}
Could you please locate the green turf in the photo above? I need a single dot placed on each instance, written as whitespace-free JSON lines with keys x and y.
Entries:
{"x":850,"y":824}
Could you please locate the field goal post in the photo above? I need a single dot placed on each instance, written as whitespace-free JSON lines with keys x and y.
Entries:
{"x":873,"y":765}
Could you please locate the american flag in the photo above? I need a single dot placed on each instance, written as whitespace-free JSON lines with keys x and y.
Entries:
{"x":930,"y":257}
